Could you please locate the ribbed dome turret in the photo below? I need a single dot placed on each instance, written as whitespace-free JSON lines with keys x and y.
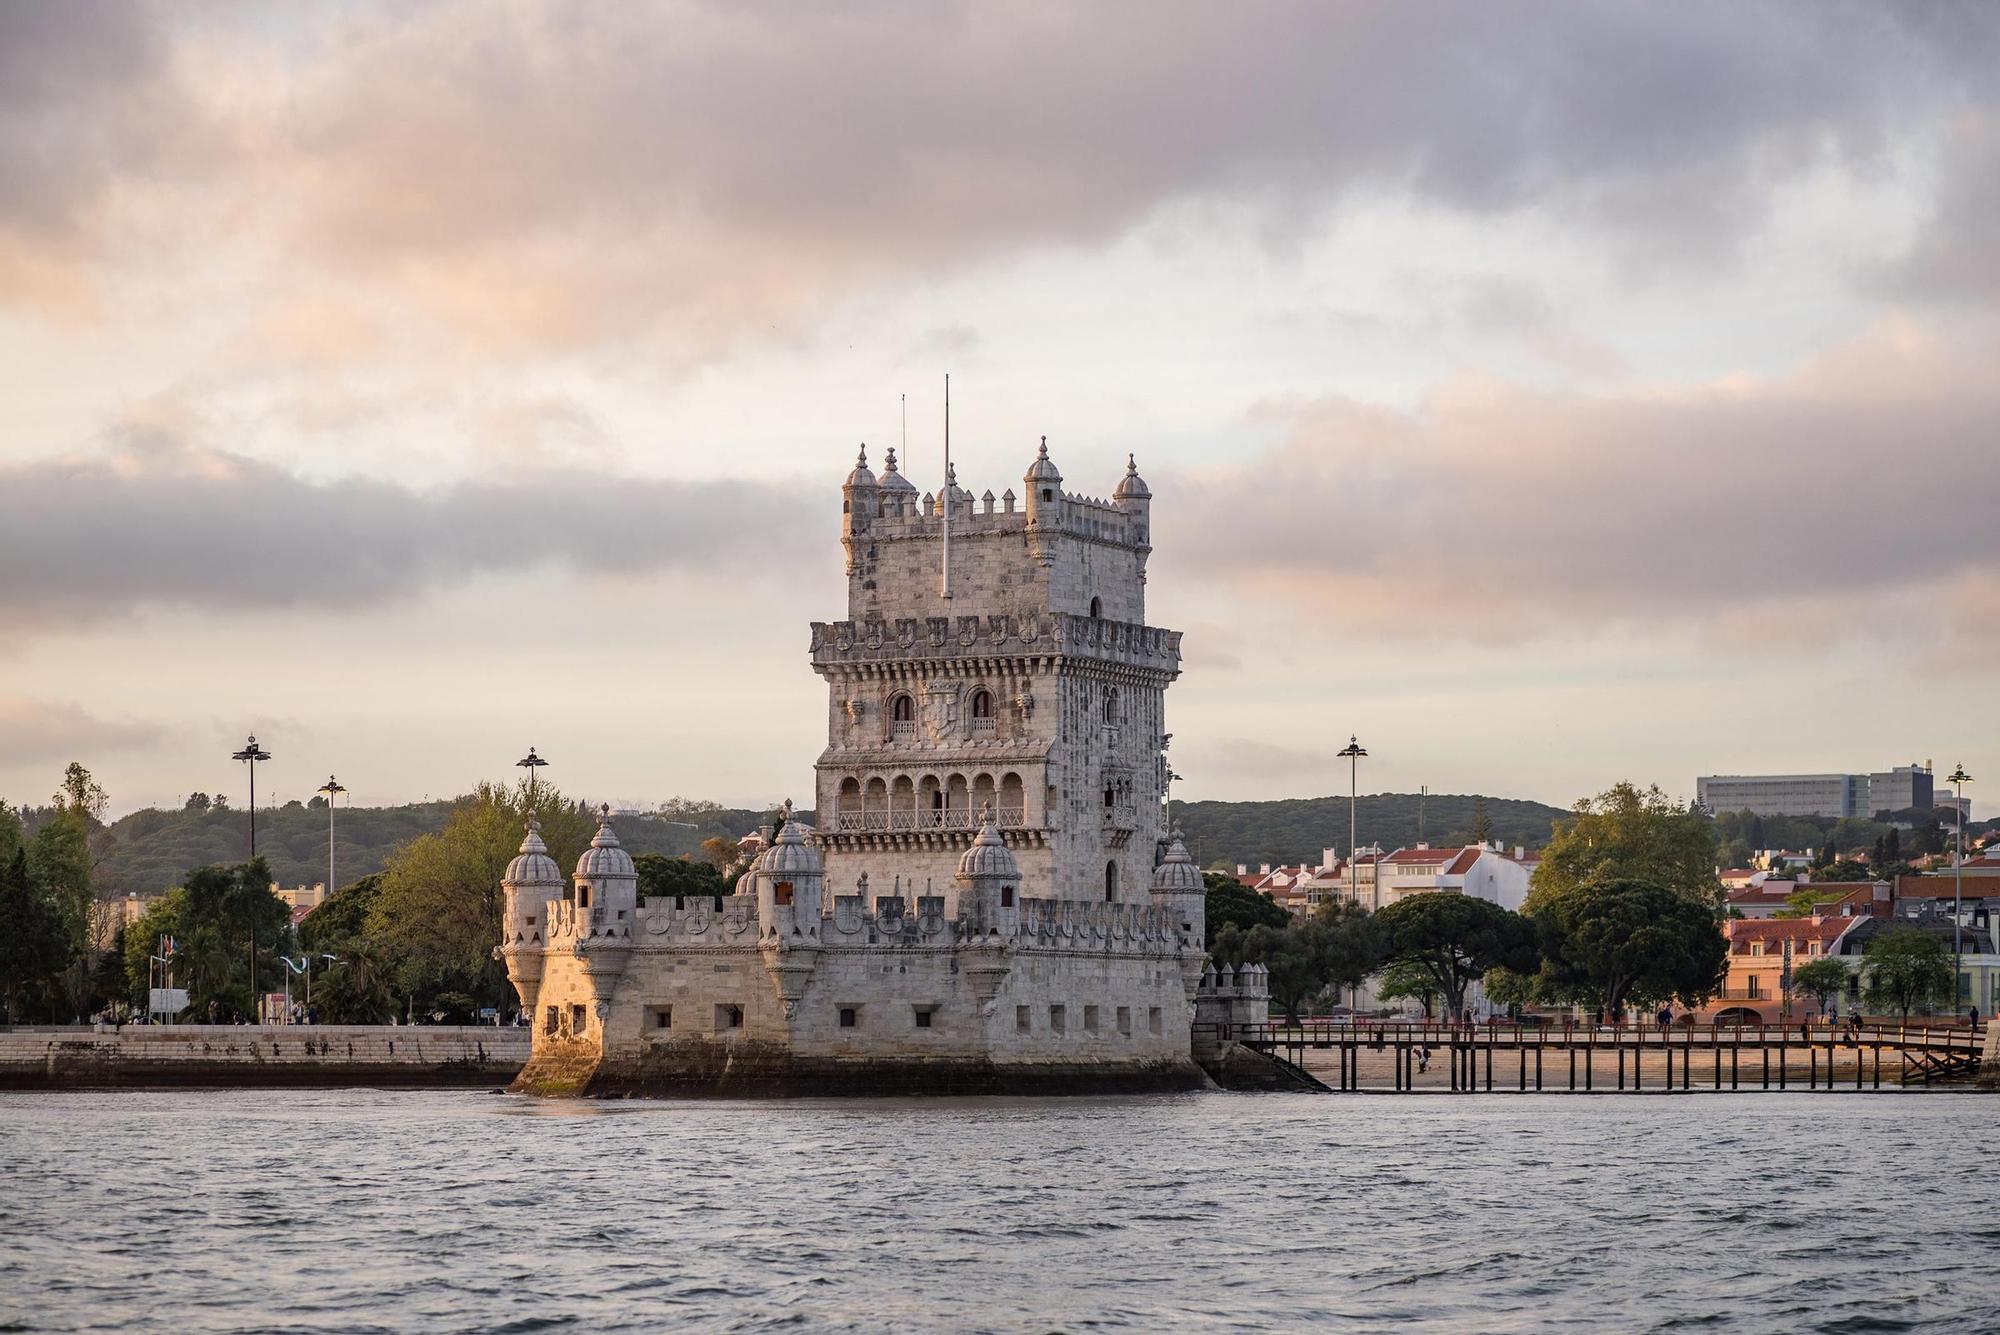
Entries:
{"x":533,"y":866}
{"x":1177,"y":873}
{"x":1131,"y":487}
{"x":792,"y":854}
{"x":861,"y":477}
{"x":1043,"y":470}
{"x":605,"y":856}
{"x":988,"y":857}
{"x":891,"y":479}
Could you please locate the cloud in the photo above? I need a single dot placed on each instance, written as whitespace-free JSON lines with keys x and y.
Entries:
{"x":1956,"y":256}
{"x":156,"y":522}
{"x":39,"y":732}
{"x":1857,"y":487}
{"x":551,"y":175}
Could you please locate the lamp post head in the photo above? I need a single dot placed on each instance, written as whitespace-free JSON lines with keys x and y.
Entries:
{"x":251,"y":751}
{"x":530,"y":762}
{"x":1958,"y":776}
{"x":331,"y":787}
{"x":1353,"y":750}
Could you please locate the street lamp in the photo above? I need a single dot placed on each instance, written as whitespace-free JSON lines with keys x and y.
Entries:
{"x":1352,"y":754}
{"x":530,"y":762}
{"x":332,"y":789}
{"x":252,"y":753}
{"x":302,"y":965}
{"x":1958,"y":778}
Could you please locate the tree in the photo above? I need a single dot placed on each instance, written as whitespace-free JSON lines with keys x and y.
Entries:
{"x":1511,"y":988}
{"x":1334,"y":948}
{"x":32,"y":944}
{"x":662,"y":877}
{"x":354,"y":987}
{"x":1805,"y":902}
{"x":1455,"y":938}
{"x":196,"y":802}
{"x":1629,"y":941}
{"x":1825,"y":978}
{"x":1482,"y":824}
{"x":436,"y":914}
{"x":1230,"y":903}
{"x":1907,"y":969}
{"x":1848,"y":871}
{"x":1406,"y":981}
{"x":1625,"y":834}
{"x":721,"y":853}
{"x":213,"y":919}
{"x":81,"y":794}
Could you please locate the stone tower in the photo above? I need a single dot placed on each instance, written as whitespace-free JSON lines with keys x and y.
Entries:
{"x":1017,"y":671}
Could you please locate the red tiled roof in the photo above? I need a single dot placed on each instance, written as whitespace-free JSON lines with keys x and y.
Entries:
{"x":1774,"y":932}
{"x":1463,"y":862}
{"x":1407,"y":856}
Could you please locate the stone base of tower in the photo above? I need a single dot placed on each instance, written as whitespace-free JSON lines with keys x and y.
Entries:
{"x":767,"y":1070}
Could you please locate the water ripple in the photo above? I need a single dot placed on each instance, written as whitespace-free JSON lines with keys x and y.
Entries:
{"x":360,"y":1211}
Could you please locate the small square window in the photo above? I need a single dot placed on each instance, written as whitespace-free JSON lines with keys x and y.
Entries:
{"x":1153,"y":1020}
{"x":1090,"y":1019}
{"x":923,"y":1016}
{"x":1124,"y":1019}
{"x":728,"y":1017}
{"x":1057,"y":1020}
{"x":1021,"y":1022}
{"x":663,"y":1017}
{"x":850,"y":1016}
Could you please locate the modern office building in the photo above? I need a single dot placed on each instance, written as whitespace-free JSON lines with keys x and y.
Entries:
{"x":1836,"y":795}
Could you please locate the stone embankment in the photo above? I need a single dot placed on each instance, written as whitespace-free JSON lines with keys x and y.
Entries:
{"x":82,"y":1057}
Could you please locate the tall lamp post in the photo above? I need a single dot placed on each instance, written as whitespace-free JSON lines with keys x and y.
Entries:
{"x":1958,"y":778}
{"x":530,"y":762}
{"x":332,"y":789}
{"x":1352,"y":754}
{"x":251,"y":754}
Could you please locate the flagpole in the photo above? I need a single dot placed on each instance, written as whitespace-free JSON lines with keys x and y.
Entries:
{"x":945,"y":583}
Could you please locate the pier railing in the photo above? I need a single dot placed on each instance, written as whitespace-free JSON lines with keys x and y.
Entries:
{"x":1615,"y":1057}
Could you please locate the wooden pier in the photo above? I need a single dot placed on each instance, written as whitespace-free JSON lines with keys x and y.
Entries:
{"x":1569,"y":1058}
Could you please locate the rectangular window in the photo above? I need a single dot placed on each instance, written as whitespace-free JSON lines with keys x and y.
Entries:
{"x":578,"y":1017}
{"x":923,"y":1016}
{"x":728,"y":1017}
{"x":1021,"y":1021}
{"x":1057,"y":1021}
{"x":663,"y":1017}
{"x":1090,"y":1019}
{"x":1153,"y":1020}
{"x":850,"y":1016}
{"x":1125,"y":1019}
{"x":783,"y":892}
{"x":552,"y":1020}
{"x":1006,"y":897}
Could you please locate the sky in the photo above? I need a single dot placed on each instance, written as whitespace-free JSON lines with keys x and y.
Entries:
{"x":1547,"y":395}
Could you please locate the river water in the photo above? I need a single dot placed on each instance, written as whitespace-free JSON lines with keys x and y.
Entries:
{"x":440,"y":1211}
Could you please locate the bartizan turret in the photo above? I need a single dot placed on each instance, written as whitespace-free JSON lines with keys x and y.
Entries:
{"x":531,"y":883}
{"x":607,"y":901}
{"x":860,"y":505}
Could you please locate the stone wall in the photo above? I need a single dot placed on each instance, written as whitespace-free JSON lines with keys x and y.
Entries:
{"x":149,"y":1055}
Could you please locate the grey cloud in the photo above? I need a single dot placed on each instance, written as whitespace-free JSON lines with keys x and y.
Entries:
{"x":1851,"y":498}
{"x":41,"y":732}
{"x":1957,"y":250}
{"x":159,"y":523}
{"x":729,"y":160}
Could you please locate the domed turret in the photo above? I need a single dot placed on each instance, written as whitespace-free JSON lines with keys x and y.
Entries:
{"x":531,"y":883}
{"x":859,"y":502}
{"x":1044,"y":481}
{"x":790,"y":879}
{"x":533,"y":866}
{"x":1178,"y":885}
{"x":606,"y":881}
{"x":988,"y":881}
{"x":897,"y":493}
{"x":1132,"y":487}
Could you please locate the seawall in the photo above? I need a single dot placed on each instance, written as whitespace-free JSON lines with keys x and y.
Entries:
{"x":144,"y":1056}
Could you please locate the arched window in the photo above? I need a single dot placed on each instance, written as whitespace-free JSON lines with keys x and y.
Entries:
{"x":904,"y":710}
{"x":1097,"y":607}
{"x":1110,"y":882}
{"x":982,"y":703}
{"x":1111,"y":704}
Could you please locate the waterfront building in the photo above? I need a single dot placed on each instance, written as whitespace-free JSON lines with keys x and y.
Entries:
{"x":992,"y":901}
